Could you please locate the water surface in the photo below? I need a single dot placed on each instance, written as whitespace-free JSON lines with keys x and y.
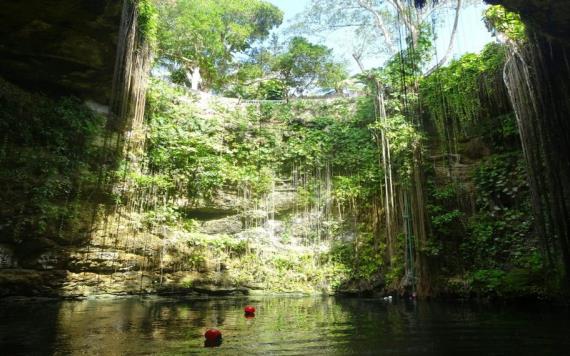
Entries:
{"x":282,"y":326}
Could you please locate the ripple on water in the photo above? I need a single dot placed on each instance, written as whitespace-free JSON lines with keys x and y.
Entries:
{"x":282,"y":326}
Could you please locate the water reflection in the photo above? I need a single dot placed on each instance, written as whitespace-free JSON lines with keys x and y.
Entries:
{"x":289,"y":326}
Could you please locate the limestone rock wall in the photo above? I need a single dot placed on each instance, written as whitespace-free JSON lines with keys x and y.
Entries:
{"x":60,"y":46}
{"x":92,"y":50}
{"x":122,"y":258}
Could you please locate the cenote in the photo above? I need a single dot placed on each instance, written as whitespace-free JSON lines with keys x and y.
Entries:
{"x":282,"y":326}
{"x":373,"y":176}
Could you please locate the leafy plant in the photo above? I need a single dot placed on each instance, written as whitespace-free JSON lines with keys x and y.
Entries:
{"x":498,"y":19}
{"x":209,"y":34}
{"x":50,"y":164}
{"x":452,"y":94}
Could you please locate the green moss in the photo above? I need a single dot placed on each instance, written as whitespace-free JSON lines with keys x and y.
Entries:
{"x":147,"y":21}
{"x":243,"y":265}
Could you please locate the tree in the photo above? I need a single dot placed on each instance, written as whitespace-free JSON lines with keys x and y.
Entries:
{"x":252,"y":74}
{"x":208,"y":34}
{"x":335,"y":77}
{"x":305,"y":65}
{"x":272,"y":71}
{"x":379,"y":26}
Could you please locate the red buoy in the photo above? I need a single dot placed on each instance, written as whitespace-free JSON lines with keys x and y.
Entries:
{"x":213,"y":335}
{"x":249,"y":309}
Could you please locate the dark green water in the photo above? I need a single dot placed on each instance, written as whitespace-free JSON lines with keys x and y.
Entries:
{"x":282,"y":326}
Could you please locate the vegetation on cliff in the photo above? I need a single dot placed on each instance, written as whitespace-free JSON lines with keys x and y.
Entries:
{"x":483,"y":213}
{"x":49,"y":164}
{"x":322,"y":151}
{"x":420,"y":183}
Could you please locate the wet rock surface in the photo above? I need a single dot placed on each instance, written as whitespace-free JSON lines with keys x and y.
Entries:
{"x":122,"y":260}
{"x":64,"y":47}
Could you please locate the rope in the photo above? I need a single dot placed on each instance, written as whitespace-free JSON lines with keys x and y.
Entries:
{"x":407,"y":211}
{"x":446,"y":132}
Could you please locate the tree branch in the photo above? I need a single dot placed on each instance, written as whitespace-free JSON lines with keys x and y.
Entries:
{"x":400,"y":9}
{"x":439,"y":6}
{"x":262,"y":79}
{"x":357,"y":58}
{"x":379,"y":23}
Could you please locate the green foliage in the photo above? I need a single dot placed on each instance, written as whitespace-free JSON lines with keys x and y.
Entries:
{"x":452,"y":94}
{"x":344,"y":144}
{"x":446,"y":221}
{"x":305,"y":64}
{"x":147,"y":21}
{"x":369,"y":260}
{"x":493,"y":248}
{"x":219,"y":243}
{"x":498,"y":19}
{"x":487,"y":280}
{"x":502,"y":181}
{"x":194,"y":156}
{"x":162,"y":216}
{"x":404,"y":139}
{"x":496,"y":252}
{"x":254,"y":78}
{"x":248,"y":151}
{"x":202,"y":248}
{"x":48,"y":164}
{"x":440,"y":222}
{"x":208,"y":34}
{"x":501,"y":231}
{"x":395,"y":272}
{"x":333,"y":76}
{"x":513,"y":283}
{"x":442,"y":212}
{"x":271,"y":90}
{"x":404,"y":69}
{"x":286,"y":271}
{"x":204,"y":154}
{"x":365,"y":262}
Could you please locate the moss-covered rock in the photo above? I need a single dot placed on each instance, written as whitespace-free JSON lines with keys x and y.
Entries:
{"x":550,"y":17}
{"x":63,"y":47}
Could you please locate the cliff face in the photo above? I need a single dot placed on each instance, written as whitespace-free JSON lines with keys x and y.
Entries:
{"x":55,"y":151}
{"x":123,"y":233}
{"x":482,"y":238}
{"x":120,"y":257}
{"x":89,"y":49}
{"x":74,"y":224}
{"x":62,"y":234}
{"x":549,"y":17}
{"x":537,"y":75}
{"x":60,"y":46}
